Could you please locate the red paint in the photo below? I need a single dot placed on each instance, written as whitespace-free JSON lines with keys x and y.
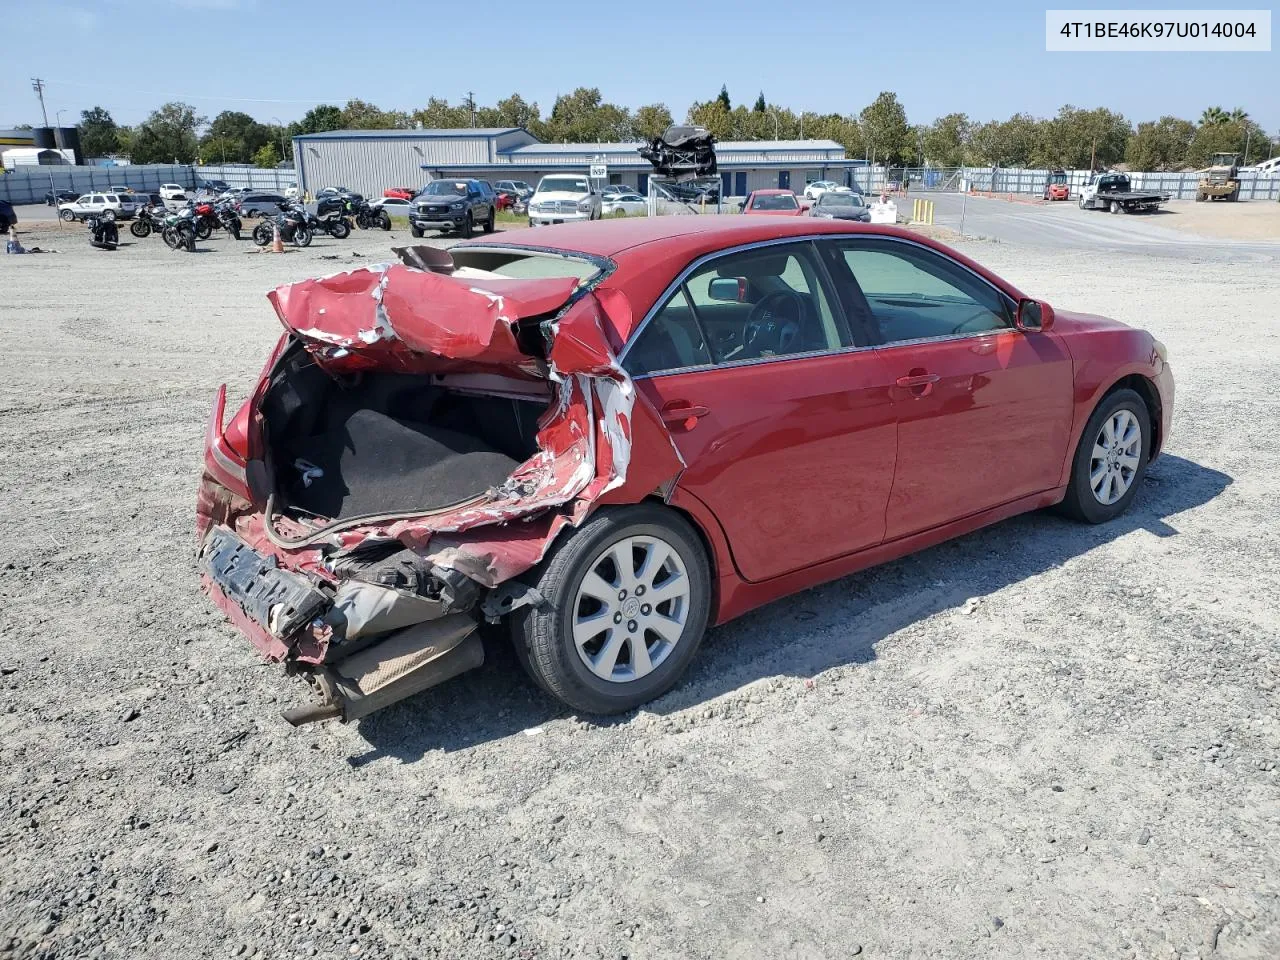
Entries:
{"x":400,"y":193}
{"x":795,"y":470}
{"x":751,"y":206}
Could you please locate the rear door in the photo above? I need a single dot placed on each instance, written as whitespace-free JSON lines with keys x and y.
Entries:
{"x":984,"y":410}
{"x":784,"y":421}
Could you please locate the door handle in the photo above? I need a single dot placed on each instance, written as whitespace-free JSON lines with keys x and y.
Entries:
{"x":685,"y":414}
{"x":918,"y":384}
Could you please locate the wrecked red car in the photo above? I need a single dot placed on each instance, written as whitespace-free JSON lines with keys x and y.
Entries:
{"x":610,"y":435}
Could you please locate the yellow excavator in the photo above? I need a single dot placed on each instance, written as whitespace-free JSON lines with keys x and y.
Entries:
{"x":1221,"y":181}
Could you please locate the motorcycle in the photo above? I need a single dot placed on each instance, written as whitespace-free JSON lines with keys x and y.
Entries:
{"x":334,"y":224}
{"x":180,"y":231}
{"x":227,"y":218}
{"x":292,"y":224}
{"x":368,"y":217}
{"x":105,"y":234}
{"x":203,"y":219}
{"x":150,"y":219}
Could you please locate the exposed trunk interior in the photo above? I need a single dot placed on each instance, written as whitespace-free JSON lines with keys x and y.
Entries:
{"x":384,"y":443}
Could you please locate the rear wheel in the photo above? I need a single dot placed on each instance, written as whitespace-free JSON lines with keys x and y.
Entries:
{"x":384,"y":220}
{"x":140,"y":229}
{"x":340,"y":229}
{"x":1115,"y":206}
{"x":627,"y":596}
{"x":1111,"y":459}
{"x":204,"y":229}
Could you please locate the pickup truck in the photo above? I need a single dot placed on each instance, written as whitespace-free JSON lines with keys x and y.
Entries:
{"x":1112,"y":191}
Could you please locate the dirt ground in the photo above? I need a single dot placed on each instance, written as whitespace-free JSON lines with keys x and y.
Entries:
{"x":1242,"y":220}
{"x":1043,"y":739}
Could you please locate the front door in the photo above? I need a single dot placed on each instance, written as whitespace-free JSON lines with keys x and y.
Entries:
{"x":786,"y":426}
{"x":984,"y":410}
{"x":784,"y":179}
{"x":726,"y":184}
{"x":740,"y":183}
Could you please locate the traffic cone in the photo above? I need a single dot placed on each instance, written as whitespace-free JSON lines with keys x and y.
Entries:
{"x":277,"y":245}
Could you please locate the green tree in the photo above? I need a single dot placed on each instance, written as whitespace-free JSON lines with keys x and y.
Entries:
{"x":359,"y":115}
{"x":1004,"y":143}
{"x":760,"y":105}
{"x":714,"y":117}
{"x":168,"y":135}
{"x":1160,"y":145}
{"x":584,"y":116}
{"x":99,"y":135}
{"x":319,"y":119}
{"x":724,"y":97}
{"x":946,"y":139}
{"x":884,"y":125}
{"x":438,"y":114}
{"x":651,"y":120}
{"x":1076,"y":138}
{"x":1212,"y":116}
{"x":267,"y":156}
{"x":233,"y":137}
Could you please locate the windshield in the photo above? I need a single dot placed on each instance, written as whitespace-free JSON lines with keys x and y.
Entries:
{"x":839,"y":200}
{"x":563,"y":185}
{"x":446,"y":188}
{"x":775,"y":201}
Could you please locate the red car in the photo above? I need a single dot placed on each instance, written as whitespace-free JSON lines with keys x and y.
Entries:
{"x":776,"y":203}
{"x":400,"y":193}
{"x":636,"y":428}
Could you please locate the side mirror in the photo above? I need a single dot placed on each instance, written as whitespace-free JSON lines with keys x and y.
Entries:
{"x":1034,"y":315}
{"x":727,"y":289}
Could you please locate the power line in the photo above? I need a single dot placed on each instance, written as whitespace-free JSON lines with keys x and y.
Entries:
{"x":196,"y":96}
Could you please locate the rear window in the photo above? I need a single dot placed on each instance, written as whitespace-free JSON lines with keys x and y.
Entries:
{"x":526,"y":264}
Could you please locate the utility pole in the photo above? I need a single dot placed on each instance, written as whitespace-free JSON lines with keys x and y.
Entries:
{"x":471,"y":105}
{"x":38,"y":86}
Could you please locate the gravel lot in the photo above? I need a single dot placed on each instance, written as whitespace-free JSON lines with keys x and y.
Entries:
{"x":1042,"y":739}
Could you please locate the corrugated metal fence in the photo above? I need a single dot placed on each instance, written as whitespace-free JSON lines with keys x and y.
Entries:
{"x":1180,"y":186}
{"x":30,"y":184}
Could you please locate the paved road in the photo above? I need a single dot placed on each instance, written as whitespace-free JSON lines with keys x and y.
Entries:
{"x":1066,"y":226}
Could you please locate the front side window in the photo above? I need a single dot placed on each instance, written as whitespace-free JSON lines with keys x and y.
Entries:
{"x":910,"y":293}
{"x":753,"y":305}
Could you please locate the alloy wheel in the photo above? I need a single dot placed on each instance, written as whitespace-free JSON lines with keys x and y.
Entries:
{"x":631,"y":608}
{"x":1116,"y":455}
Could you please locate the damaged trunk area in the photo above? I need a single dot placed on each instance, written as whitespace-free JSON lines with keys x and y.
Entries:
{"x":373,"y":444}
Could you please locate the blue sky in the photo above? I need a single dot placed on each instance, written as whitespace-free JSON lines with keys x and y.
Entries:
{"x":987,"y":60}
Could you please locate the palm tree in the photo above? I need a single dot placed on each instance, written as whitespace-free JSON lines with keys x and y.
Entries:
{"x":1238,"y":115}
{"x":1213,"y":116}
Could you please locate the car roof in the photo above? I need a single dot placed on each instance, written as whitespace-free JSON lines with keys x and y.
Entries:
{"x":694,"y":234}
{"x":774,"y":191}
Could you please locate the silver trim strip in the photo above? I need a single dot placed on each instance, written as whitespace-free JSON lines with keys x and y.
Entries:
{"x":706,"y":257}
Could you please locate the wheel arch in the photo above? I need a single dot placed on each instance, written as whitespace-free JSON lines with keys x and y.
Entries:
{"x":1146,"y":389}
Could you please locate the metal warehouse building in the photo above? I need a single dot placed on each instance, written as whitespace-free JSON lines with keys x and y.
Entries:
{"x":369,"y":161}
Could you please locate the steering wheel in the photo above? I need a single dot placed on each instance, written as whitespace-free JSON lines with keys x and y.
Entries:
{"x":773,"y":326}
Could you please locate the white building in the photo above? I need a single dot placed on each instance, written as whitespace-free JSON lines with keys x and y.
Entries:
{"x":369,"y":161}
{"x":37,"y":156}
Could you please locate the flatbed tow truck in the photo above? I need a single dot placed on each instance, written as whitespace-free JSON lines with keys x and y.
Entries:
{"x":1112,"y":191}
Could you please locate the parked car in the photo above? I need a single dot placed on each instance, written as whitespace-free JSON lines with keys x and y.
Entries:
{"x":216,"y":187}
{"x":332,"y":199}
{"x":119,"y":189}
{"x":53,"y":198}
{"x":515,"y":187}
{"x":395,"y":206}
{"x":108,"y":206}
{"x":776,"y":203}
{"x":172,"y":191}
{"x":8,"y":216}
{"x":842,"y":205}
{"x":338,"y":192}
{"x":260,"y":204}
{"x":563,"y":198}
{"x":628,"y":203}
{"x":817,"y":188}
{"x":400,"y":193}
{"x":793,"y":401}
{"x":459,"y":205}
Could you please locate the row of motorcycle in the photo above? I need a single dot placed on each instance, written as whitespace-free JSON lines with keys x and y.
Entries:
{"x":180,"y":230}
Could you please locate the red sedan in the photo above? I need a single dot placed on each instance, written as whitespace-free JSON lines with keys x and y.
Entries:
{"x":636,"y":428}
{"x":400,"y":193}
{"x":776,"y":203}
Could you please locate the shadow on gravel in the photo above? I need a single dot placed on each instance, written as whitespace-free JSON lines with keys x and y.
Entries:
{"x":832,"y":625}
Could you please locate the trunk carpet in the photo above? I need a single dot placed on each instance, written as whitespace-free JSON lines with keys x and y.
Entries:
{"x":372,"y":463}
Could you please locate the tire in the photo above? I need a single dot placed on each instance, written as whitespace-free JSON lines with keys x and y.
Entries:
{"x":468,"y":227}
{"x":262,"y":234}
{"x":492,"y":221}
{"x":140,"y":229}
{"x":109,"y":216}
{"x":234,"y":227}
{"x":415,"y":230}
{"x":1081,"y":502}
{"x":340,"y":230}
{"x":384,"y":220}
{"x":188,"y":239}
{"x":1234,"y":195}
{"x":1115,"y":206}
{"x":170,"y":237}
{"x":68,"y":216}
{"x":1081,"y":203}
{"x":1199,"y":197}
{"x":302,"y":237}
{"x":544,"y":634}
{"x":204,"y":230}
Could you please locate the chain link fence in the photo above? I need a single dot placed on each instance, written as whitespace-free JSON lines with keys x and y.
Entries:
{"x":1031,"y":183}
